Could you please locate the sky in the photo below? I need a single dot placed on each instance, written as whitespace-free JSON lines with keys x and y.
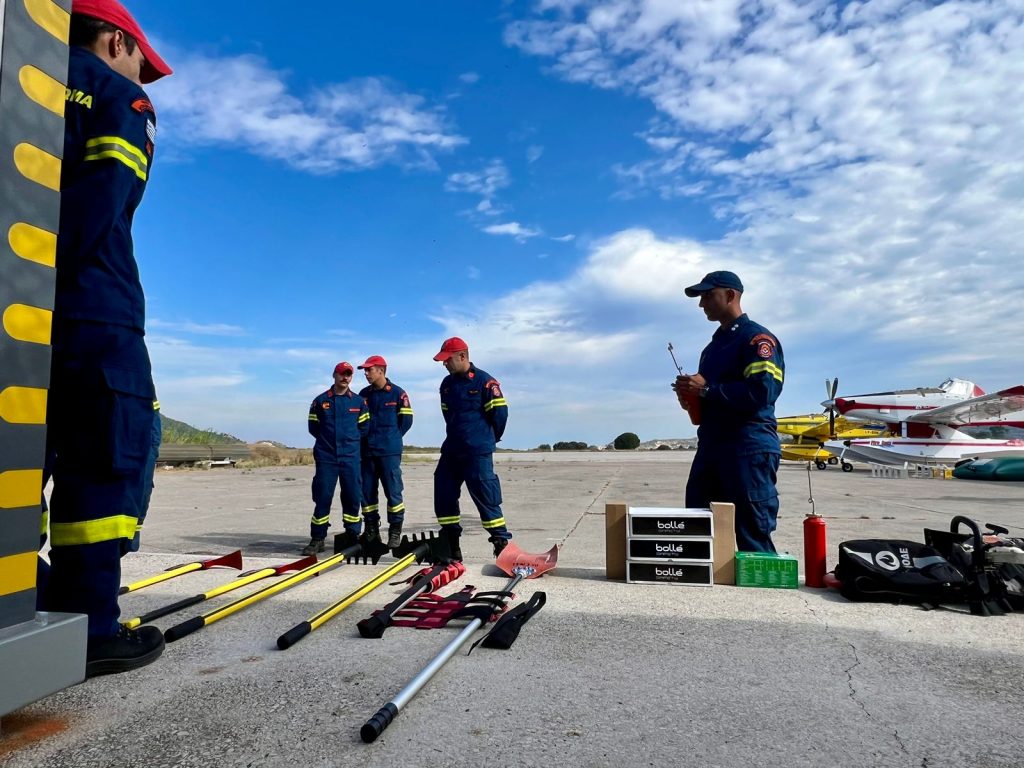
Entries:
{"x":544,"y":178}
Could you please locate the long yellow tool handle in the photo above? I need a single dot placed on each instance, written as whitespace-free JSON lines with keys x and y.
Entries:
{"x":198,"y":622}
{"x":299,"y":631}
{"x":189,"y":601}
{"x":181,"y":569}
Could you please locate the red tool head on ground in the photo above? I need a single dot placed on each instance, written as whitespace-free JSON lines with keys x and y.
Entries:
{"x":115,"y":14}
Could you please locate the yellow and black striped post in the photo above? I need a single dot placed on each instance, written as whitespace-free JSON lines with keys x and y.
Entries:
{"x":47,"y":650}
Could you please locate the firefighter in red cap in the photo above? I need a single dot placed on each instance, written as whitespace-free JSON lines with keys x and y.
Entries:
{"x":338,"y":419}
{"x":475,"y":413}
{"x":390,"y":419}
{"x":100,"y":417}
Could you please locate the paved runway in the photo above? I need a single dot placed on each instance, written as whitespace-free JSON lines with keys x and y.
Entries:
{"x":607,"y":674}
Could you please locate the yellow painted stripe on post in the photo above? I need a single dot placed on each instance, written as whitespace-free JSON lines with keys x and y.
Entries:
{"x":42,"y":89}
{"x":38,"y":165}
{"x":20,"y":488}
{"x":33,"y":244}
{"x":23,"y":405}
{"x":17,"y":573}
{"x":50,"y":17}
{"x":26,"y":323}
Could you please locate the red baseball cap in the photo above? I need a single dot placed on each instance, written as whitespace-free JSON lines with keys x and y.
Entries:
{"x":114,"y":13}
{"x":343,"y":366}
{"x":373,"y":360}
{"x":450,"y":347}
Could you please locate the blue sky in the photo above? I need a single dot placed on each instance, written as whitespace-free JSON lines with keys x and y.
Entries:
{"x":544,"y":178}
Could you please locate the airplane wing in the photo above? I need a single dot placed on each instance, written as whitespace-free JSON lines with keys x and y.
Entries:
{"x":982,"y":408}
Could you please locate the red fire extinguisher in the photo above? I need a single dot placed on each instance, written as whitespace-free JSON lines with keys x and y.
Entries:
{"x":814,"y":550}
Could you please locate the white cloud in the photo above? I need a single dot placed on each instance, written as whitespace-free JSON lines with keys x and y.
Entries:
{"x":207,"y":329}
{"x":473,"y":273}
{"x":533,"y":153}
{"x":564,"y":238}
{"x":485,"y":182}
{"x":469,"y":77}
{"x":243,"y":103}
{"x":513,"y":229}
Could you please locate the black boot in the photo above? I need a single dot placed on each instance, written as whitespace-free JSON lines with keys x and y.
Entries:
{"x":499,"y":544}
{"x":371,"y":531}
{"x":128,"y":649}
{"x":453,"y":543}
{"x":394,"y":535}
{"x":315,"y":545}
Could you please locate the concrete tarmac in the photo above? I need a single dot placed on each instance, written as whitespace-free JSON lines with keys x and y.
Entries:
{"x":607,"y":674}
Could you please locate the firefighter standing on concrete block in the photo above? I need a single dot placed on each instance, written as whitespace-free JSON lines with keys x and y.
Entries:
{"x":100,"y":416}
{"x":390,"y":418}
{"x":475,"y":413}
{"x":338,"y":419}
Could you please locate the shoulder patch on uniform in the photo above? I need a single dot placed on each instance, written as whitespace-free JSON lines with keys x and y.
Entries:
{"x":143,"y":105}
{"x":405,"y":399}
{"x":494,"y":387}
{"x":765,"y":344}
{"x":326,"y":405}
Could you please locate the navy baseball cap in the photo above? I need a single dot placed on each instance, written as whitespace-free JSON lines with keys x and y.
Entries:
{"x":720,"y":279}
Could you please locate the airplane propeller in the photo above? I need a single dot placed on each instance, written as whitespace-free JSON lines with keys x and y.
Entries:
{"x":830,"y":404}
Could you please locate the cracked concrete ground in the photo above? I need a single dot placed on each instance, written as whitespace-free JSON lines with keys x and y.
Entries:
{"x":607,"y":674}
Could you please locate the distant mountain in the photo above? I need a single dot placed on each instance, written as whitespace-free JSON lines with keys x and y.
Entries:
{"x":182,"y":433}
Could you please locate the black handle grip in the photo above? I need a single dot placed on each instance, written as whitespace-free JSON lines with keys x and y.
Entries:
{"x":185,"y":628}
{"x":172,"y":608}
{"x":122,"y":591}
{"x":375,"y":726}
{"x":372,"y":627}
{"x":293,"y":635}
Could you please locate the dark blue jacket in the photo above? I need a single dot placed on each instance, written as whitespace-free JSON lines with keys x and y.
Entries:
{"x":110,"y":128}
{"x":744,"y":370}
{"x":475,"y":412}
{"x":390,"y":419}
{"x":338,"y":422}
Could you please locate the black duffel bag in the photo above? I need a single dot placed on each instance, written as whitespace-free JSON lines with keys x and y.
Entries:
{"x":886,"y":570}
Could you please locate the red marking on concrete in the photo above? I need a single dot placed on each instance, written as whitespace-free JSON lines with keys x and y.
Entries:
{"x":20,"y":730}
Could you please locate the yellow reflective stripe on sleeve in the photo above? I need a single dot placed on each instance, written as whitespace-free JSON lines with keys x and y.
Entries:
{"x":156,"y":405}
{"x":363,"y":417}
{"x":405,"y":411}
{"x":763,"y":367}
{"x":494,"y":523}
{"x":320,"y":520}
{"x":448,"y":520}
{"x":397,"y":508}
{"x":93,"y":531}
{"x":444,"y":407}
{"x":314,"y":417}
{"x":496,"y":402}
{"x":116,"y":148}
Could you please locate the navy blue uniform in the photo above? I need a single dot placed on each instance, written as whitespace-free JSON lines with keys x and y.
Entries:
{"x":390,"y":418}
{"x":475,"y":413}
{"x":738,"y":445}
{"x":100,"y":416}
{"x":338,"y":422}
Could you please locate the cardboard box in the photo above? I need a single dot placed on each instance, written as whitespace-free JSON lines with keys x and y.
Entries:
{"x":683,"y":574}
{"x":767,"y":569}
{"x":615,"y":540}
{"x":724,"y":516}
{"x":675,"y":548}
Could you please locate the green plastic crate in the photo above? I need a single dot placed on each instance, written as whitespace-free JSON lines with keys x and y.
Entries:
{"x":762,"y":569}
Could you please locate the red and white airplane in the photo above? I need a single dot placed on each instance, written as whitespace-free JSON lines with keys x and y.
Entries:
{"x":926,"y":426}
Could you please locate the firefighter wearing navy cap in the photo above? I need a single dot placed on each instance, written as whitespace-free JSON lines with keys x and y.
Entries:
{"x":338,"y":419}
{"x":390,"y":418}
{"x":475,"y":413}
{"x":100,"y":416}
{"x":739,"y":379}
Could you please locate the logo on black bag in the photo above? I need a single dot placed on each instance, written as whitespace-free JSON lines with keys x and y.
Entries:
{"x":887,"y":560}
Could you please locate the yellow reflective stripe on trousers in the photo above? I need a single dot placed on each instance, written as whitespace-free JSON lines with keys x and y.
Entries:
{"x":494,"y":523}
{"x":371,"y":508}
{"x":320,"y":520}
{"x":763,"y":367}
{"x":93,"y":531}
{"x":350,"y":518}
{"x":498,"y":401}
{"x":116,"y":148}
{"x":397,"y":508}
{"x":448,"y":520}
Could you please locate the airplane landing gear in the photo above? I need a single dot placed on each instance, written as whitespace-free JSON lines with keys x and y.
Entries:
{"x":847,"y":466}
{"x":820,"y":464}
{"x":833,"y":460}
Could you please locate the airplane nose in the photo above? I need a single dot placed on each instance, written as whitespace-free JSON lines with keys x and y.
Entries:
{"x":843,"y":405}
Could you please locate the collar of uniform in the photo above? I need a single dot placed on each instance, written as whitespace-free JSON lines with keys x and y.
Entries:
{"x":738,"y":322}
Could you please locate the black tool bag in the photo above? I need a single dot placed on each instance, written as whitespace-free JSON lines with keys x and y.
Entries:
{"x":883,"y":570}
{"x":993,"y":586}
